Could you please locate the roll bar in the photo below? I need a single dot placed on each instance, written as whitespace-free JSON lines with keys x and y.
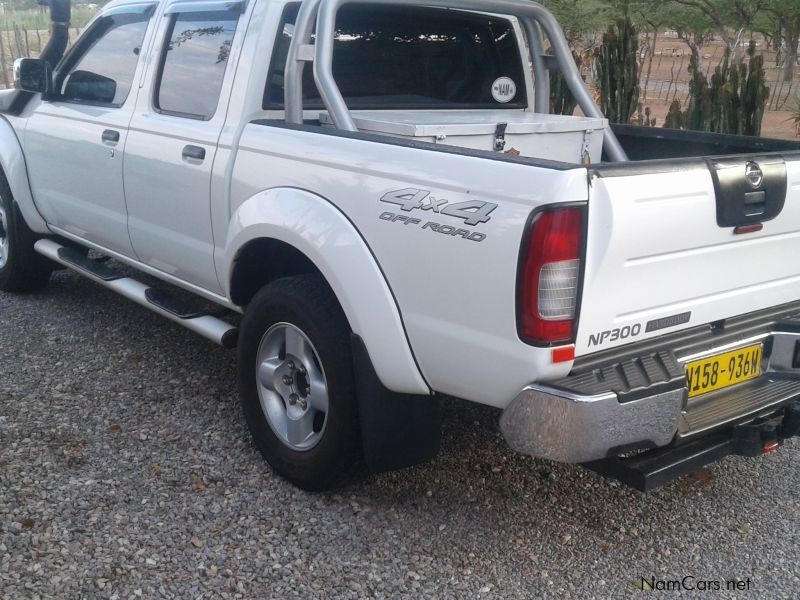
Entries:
{"x":534,"y":18}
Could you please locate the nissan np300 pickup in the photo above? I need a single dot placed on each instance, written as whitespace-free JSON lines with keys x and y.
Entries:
{"x":379,"y":188}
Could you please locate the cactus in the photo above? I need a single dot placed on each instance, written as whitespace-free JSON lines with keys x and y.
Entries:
{"x":794,"y":116}
{"x":754,"y":92}
{"x":562,"y":102}
{"x":644,"y":116}
{"x":699,"y":111}
{"x":733,"y":101}
{"x":676,"y":117}
{"x":616,"y":71}
{"x":718,"y":120}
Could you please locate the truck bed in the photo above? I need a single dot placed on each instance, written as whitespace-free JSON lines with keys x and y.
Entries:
{"x":652,"y":143}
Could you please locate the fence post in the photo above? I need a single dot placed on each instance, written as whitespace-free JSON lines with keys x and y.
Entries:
{"x":3,"y":58}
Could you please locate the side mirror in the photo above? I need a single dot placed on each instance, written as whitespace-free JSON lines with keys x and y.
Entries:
{"x":33,"y":75}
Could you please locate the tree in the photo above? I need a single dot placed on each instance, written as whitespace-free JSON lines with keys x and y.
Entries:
{"x":650,"y":18}
{"x":786,"y":21}
{"x":580,"y":17}
{"x":731,"y":19}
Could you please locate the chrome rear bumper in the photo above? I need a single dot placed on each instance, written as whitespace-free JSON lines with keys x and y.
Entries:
{"x":558,"y":423}
{"x":552,"y":424}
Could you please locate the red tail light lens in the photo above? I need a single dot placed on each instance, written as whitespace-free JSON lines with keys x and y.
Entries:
{"x":551,"y":264}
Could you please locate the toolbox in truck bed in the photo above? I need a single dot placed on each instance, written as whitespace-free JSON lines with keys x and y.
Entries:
{"x":552,"y":137}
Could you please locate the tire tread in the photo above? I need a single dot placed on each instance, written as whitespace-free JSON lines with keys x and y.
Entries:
{"x":25,"y":270}
{"x":310,"y":297}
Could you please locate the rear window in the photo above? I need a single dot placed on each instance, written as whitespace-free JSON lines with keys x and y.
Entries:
{"x":410,"y":57}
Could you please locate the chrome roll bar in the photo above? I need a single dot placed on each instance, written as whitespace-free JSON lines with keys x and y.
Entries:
{"x":534,"y":18}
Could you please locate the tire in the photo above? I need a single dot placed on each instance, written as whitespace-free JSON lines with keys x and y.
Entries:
{"x":21,"y":268}
{"x":294,"y":354}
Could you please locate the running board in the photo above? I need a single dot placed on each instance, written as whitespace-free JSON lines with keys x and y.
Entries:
{"x":210,"y":327}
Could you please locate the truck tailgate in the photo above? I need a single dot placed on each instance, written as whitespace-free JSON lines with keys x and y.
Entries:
{"x":663,"y":253}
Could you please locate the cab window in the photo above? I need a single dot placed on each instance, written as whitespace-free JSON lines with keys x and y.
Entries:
{"x":101,"y":69}
{"x":193,"y":63}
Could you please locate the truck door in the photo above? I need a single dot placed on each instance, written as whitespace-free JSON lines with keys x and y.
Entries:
{"x":74,"y":141}
{"x":173,"y":139}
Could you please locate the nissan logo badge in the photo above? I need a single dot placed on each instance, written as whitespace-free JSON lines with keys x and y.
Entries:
{"x":754,"y":175}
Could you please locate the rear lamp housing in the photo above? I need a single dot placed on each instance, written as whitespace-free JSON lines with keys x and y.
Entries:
{"x":550,"y":276}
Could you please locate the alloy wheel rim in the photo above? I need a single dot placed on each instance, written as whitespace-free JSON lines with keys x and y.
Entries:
{"x":3,"y":238}
{"x":292,"y":387}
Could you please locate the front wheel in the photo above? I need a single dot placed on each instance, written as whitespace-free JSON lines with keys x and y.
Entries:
{"x":296,"y":383}
{"x":21,"y":269}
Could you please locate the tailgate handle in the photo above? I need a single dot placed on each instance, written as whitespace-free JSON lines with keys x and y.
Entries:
{"x":755,"y":203}
{"x":749,"y":190}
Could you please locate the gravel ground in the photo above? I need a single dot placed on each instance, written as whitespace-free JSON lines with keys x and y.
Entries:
{"x":126,"y":471}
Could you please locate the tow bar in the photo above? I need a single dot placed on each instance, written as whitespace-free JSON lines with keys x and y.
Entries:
{"x":649,"y":470}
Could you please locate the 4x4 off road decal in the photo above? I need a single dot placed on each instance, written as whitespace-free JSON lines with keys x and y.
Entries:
{"x":472,"y":212}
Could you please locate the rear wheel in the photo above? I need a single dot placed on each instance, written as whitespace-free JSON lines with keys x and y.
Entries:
{"x":21,"y":269}
{"x":296,"y":383}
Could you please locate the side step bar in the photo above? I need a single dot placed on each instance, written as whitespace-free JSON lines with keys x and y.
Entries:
{"x":210,"y":327}
{"x":651,"y":469}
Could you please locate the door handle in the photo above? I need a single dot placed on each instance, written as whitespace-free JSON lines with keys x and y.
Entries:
{"x":110,"y":136}
{"x":194,"y":152}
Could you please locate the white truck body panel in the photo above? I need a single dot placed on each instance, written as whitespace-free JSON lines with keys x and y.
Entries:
{"x":463,"y":300}
{"x":65,"y":150}
{"x":323,"y":234}
{"x":12,"y":161}
{"x":655,"y":253}
{"x":175,"y":236}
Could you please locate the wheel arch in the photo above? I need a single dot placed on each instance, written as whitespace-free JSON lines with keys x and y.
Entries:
{"x":250,"y":271}
{"x":15,"y":171}
{"x":287,"y":231}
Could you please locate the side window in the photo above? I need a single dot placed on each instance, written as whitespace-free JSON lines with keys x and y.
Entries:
{"x":102,"y":68}
{"x":193,"y":63}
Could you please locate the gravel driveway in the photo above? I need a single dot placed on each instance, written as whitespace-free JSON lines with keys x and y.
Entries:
{"x":126,"y":471}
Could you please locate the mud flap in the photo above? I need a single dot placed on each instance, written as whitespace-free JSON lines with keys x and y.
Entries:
{"x":397,"y":430}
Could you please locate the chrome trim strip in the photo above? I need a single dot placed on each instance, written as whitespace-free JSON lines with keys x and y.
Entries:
{"x":726,"y":347}
{"x":777,"y":335}
{"x":551,"y":391}
{"x":685,"y":433}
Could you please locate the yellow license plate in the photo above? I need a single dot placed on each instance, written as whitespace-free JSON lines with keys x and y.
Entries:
{"x":723,"y":370}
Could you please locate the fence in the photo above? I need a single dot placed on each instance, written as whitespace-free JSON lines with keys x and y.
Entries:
{"x":669,"y":76}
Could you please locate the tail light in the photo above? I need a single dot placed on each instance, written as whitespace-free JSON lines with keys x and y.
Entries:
{"x":551,"y":265}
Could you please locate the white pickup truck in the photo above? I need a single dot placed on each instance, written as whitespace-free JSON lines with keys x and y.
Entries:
{"x":379,"y":188}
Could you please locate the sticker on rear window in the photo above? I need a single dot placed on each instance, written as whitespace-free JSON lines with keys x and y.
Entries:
{"x":504,"y":89}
